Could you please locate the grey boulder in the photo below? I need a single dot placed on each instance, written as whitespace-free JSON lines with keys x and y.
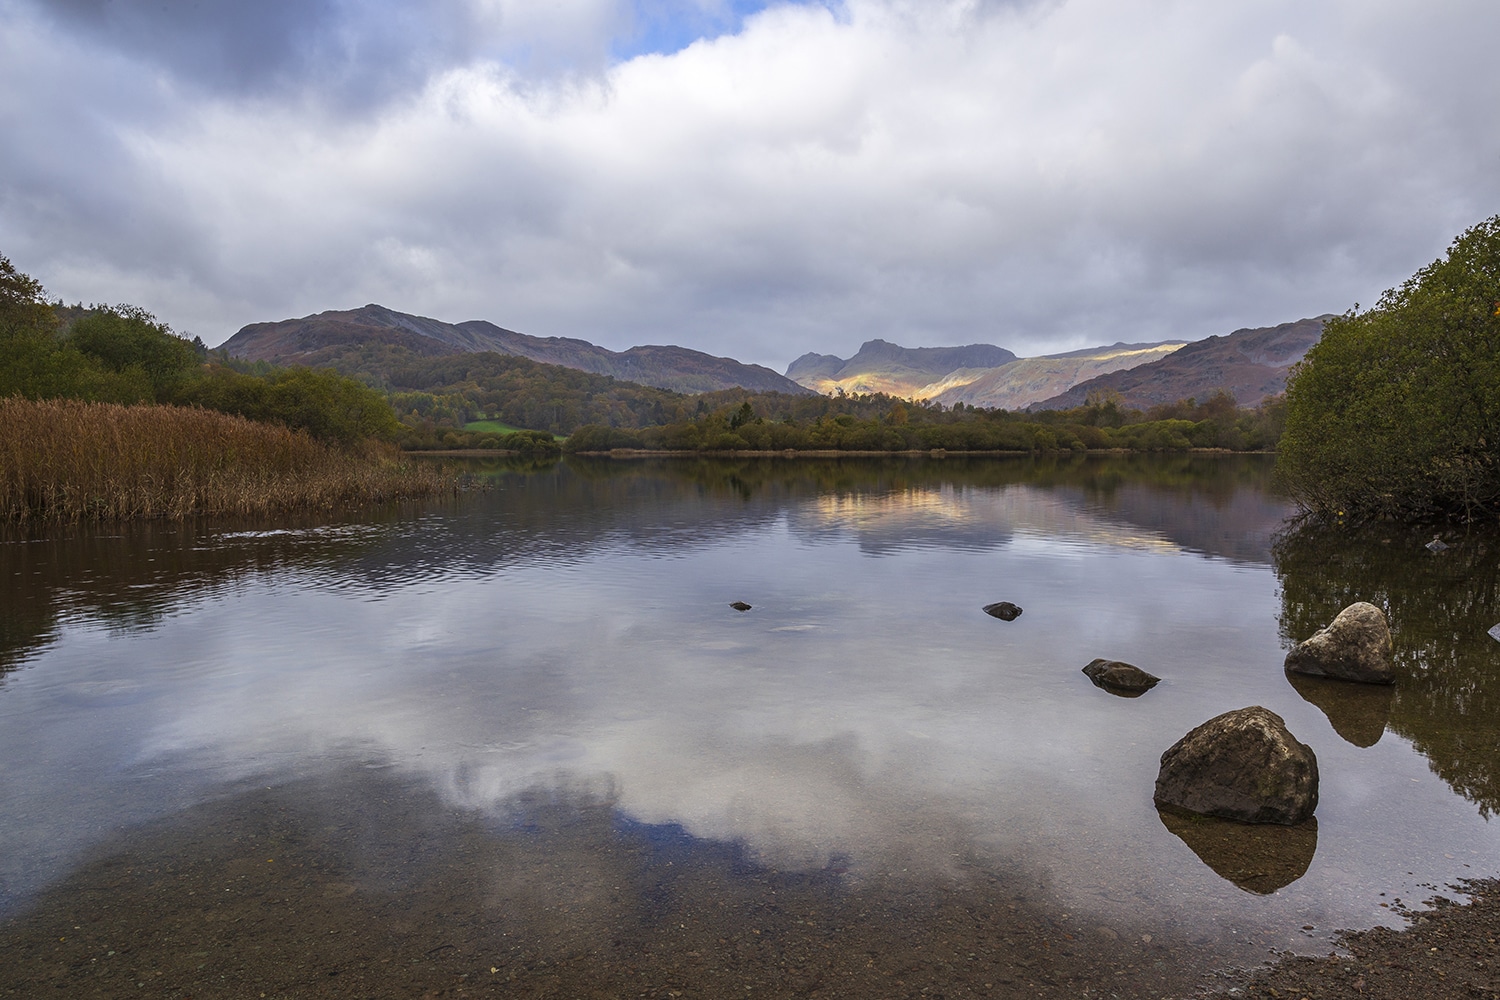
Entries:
{"x":1120,"y":678}
{"x":1355,"y":646}
{"x":1243,"y":765}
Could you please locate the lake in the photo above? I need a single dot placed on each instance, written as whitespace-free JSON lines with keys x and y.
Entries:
{"x":518,"y":742}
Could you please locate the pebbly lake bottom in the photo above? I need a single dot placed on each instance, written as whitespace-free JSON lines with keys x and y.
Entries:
{"x":525,"y":733}
{"x":357,"y":886}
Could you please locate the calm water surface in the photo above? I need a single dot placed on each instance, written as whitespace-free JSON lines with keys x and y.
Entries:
{"x":561,"y":644}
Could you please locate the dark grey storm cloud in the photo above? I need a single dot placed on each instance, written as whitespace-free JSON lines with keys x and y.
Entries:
{"x":353,"y":52}
{"x":804,"y":177}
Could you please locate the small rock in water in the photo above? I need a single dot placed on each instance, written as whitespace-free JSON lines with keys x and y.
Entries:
{"x":1436,"y":545}
{"x":1120,"y":678}
{"x":1495,"y":633}
{"x":740,"y":606}
{"x":1005,"y":611}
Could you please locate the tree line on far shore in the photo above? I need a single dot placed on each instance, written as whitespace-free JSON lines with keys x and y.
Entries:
{"x":897,"y":425}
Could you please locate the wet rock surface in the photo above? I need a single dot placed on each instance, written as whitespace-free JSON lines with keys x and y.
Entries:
{"x":1003,"y":610}
{"x":1355,"y":646}
{"x":1243,"y":765}
{"x":1124,"y":679}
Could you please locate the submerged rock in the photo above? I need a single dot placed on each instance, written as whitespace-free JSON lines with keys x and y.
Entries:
{"x":1242,"y":765}
{"x":1005,"y":611}
{"x":1259,"y":858}
{"x":739,"y":606}
{"x":1356,"y":646}
{"x":1124,"y":679}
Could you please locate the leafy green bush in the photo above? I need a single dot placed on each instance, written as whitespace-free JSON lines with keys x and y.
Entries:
{"x":596,"y":437}
{"x":327,"y":405}
{"x":127,"y":340}
{"x":1396,"y":411}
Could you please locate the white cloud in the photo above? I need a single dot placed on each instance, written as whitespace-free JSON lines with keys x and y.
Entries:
{"x":1039,"y":176}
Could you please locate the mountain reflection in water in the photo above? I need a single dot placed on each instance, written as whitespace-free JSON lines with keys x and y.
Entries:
{"x":565,"y":634}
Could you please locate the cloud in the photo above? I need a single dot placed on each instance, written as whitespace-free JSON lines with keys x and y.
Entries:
{"x":751,"y":182}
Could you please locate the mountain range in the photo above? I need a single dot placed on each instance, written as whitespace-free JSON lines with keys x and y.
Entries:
{"x":1250,"y":363}
{"x":897,"y":371}
{"x":978,"y":375}
{"x":299,"y":341}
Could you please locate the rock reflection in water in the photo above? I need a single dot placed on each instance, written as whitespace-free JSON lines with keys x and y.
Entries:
{"x":1257,"y":857}
{"x":1357,"y":712}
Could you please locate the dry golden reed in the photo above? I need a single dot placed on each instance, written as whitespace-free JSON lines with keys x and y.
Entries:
{"x":69,"y":460}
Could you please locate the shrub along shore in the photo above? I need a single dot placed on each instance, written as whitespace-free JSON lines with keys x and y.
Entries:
{"x":69,"y":460}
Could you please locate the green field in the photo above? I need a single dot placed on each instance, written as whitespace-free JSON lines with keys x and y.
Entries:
{"x":490,"y":427}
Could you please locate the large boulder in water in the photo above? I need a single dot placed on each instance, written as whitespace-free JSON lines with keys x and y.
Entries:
{"x":1355,"y":646}
{"x":1123,"y":679}
{"x":1241,"y":765}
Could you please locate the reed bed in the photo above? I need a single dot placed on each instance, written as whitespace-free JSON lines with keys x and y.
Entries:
{"x":66,"y":460}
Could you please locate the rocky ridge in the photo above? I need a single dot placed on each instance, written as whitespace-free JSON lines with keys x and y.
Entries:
{"x":680,"y":369}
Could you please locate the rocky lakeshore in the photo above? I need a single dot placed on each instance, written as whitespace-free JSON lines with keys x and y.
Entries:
{"x":1448,"y":951}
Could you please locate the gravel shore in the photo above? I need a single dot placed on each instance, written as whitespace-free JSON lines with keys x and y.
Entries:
{"x":1448,"y":951}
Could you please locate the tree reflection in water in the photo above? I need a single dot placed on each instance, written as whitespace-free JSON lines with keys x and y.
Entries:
{"x":1446,"y":699}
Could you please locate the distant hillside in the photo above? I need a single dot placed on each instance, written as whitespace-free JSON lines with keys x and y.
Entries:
{"x":880,"y":366}
{"x":1020,"y":383}
{"x":298,"y":341}
{"x":1251,"y":364}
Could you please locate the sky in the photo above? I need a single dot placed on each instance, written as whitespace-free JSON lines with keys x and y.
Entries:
{"x":756,"y":180}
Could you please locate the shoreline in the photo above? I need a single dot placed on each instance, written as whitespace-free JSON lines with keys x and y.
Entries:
{"x":826,"y":453}
{"x":1447,"y":951}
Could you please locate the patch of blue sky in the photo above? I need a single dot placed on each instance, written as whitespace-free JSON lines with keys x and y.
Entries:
{"x":662,"y":27}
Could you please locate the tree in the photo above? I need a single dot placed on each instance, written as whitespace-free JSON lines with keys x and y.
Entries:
{"x":126,"y":338}
{"x":23,"y":305}
{"x":36,"y":364}
{"x":1396,"y":411}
